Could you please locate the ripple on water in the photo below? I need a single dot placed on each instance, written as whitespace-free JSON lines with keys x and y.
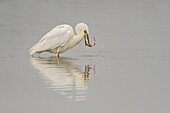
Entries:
{"x":64,"y":76}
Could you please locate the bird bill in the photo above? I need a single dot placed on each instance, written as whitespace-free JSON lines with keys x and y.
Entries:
{"x":87,"y":42}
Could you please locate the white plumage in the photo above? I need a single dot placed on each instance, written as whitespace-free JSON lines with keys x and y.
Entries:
{"x":62,"y":38}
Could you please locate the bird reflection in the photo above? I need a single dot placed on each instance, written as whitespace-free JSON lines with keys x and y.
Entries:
{"x":65,"y":77}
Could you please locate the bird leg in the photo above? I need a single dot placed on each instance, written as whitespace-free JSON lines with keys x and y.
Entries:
{"x":57,"y":53}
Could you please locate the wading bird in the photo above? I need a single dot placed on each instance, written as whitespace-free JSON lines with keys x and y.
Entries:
{"x":62,"y":38}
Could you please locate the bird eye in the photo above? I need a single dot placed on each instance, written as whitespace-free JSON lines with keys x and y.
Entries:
{"x":85,"y":31}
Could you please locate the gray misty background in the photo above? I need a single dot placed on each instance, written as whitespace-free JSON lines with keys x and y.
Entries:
{"x":126,"y":72}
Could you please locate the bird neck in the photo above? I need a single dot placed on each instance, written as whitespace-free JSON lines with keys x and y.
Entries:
{"x":78,"y":38}
{"x":74,"y":41}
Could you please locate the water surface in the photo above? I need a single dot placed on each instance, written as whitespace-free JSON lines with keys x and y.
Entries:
{"x":126,"y":72}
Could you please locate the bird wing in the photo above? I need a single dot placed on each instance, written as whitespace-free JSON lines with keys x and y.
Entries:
{"x":58,"y":36}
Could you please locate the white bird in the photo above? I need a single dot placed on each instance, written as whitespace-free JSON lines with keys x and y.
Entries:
{"x":62,"y":38}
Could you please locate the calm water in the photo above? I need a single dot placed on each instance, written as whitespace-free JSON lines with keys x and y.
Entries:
{"x":126,"y":72}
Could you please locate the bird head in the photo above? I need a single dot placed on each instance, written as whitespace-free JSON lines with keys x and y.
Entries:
{"x":83,"y":29}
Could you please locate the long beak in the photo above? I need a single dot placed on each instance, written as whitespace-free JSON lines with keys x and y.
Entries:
{"x":86,"y":39}
{"x":87,"y":42}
